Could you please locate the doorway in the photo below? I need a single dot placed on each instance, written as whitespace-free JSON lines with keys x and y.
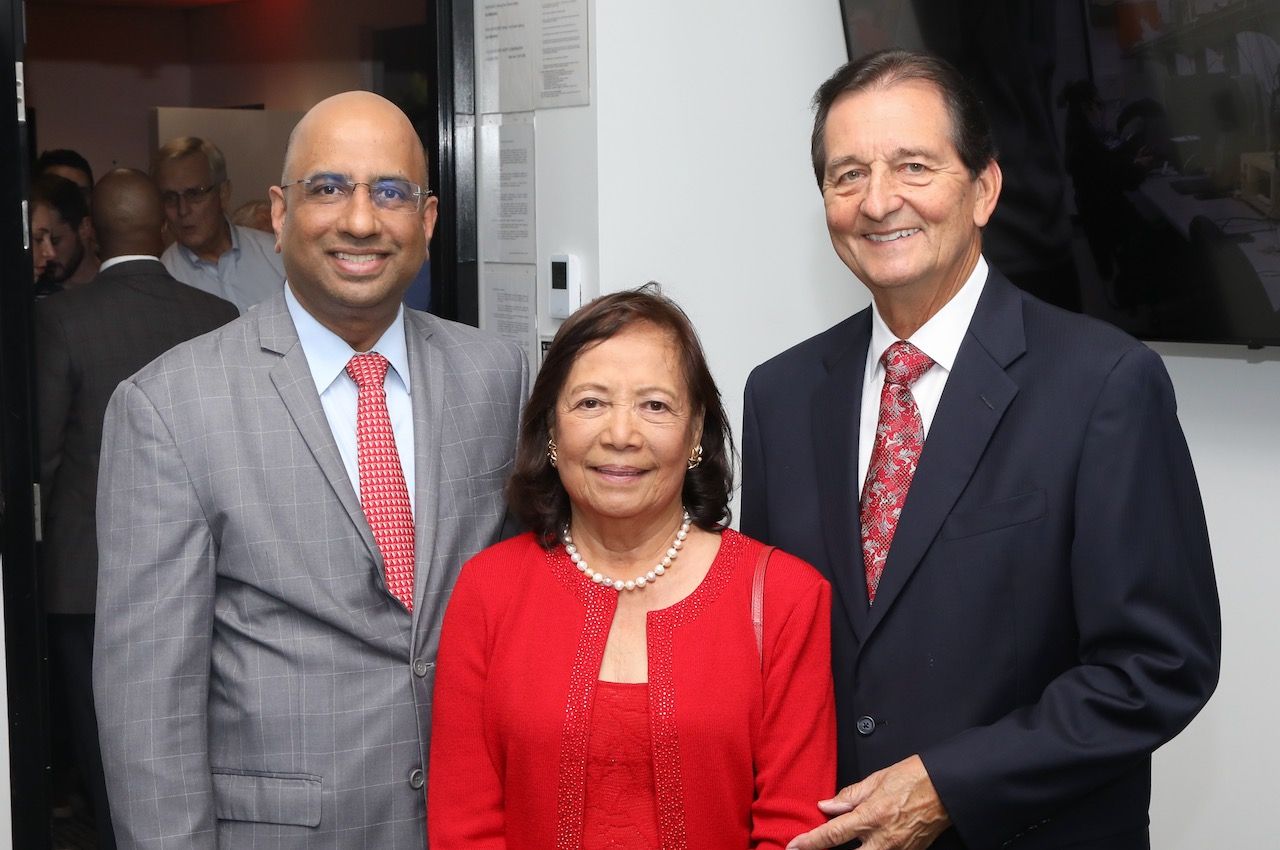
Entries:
{"x":418,"y":53}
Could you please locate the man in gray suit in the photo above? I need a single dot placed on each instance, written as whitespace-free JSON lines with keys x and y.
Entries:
{"x":88,"y":340}
{"x":269,"y":611}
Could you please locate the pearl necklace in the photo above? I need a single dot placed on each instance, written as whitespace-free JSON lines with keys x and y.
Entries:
{"x":638,"y":582}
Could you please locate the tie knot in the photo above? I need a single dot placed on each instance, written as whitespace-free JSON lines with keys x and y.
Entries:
{"x":904,"y":363}
{"x":368,"y":370}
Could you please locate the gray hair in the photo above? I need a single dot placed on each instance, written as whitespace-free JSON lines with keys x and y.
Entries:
{"x":185,"y":146}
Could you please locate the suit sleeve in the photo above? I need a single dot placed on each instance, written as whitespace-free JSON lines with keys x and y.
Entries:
{"x":511,"y":524}
{"x":795,"y":760}
{"x":755,"y":519}
{"x":464,"y":794}
{"x":1146,"y":608}
{"x":54,"y":392}
{"x":154,"y":628}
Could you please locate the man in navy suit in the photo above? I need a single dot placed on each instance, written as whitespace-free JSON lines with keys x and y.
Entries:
{"x":1000,"y":494}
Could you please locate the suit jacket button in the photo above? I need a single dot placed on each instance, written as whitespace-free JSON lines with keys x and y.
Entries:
{"x":866,"y":725}
{"x":417,"y":779}
{"x":420,"y":667}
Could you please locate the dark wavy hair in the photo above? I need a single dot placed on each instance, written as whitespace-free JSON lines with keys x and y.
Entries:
{"x":970,"y":128}
{"x":534,"y":491}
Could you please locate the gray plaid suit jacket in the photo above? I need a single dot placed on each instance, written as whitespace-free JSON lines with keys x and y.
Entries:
{"x":257,"y":685}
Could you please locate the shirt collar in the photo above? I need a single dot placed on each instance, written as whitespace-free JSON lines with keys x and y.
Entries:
{"x":940,"y":337}
{"x":328,"y":354}
{"x":125,"y":258}
{"x":235,"y":244}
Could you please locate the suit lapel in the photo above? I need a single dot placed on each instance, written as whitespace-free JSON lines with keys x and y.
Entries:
{"x":836,"y":411}
{"x":292,"y":379}
{"x":426,"y":367}
{"x":977,"y":393}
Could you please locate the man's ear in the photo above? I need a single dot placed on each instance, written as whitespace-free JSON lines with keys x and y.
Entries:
{"x":277,"y":213}
{"x":988,"y":184}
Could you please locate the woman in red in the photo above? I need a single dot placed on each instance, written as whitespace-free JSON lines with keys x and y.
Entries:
{"x":600,"y":681}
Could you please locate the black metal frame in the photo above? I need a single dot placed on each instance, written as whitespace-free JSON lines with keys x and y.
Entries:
{"x":24,"y":639}
{"x":454,"y":262}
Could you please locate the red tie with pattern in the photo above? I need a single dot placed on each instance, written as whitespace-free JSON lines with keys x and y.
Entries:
{"x":899,"y":439}
{"x":383,"y":493}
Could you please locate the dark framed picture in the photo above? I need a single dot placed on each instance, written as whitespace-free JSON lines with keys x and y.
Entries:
{"x":1140,"y":146}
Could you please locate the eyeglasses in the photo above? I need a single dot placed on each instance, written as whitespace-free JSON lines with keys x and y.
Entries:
{"x":390,"y":194}
{"x":191,"y":196}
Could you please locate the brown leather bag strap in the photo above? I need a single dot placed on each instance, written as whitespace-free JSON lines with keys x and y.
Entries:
{"x":757,"y":599}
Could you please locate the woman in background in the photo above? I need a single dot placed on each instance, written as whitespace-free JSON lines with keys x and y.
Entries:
{"x":600,"y":681}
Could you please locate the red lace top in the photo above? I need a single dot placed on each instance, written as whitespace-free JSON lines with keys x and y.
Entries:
{"x":621,"y":811}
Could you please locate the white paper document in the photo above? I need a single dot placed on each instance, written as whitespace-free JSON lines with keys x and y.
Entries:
{"x":507,"y":193}
{"x":508,"y":47}
{"x":562,"y":57}
{"x":533,"y":54}
{"x":509,"y":305}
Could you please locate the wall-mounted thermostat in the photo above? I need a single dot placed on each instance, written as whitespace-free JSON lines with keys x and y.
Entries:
{"x":566,"y":286}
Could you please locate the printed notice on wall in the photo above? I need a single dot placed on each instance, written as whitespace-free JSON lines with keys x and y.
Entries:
{"x":507,"y":193}
{"x":508,"y":48}
{"x":509,"y":306}
{"x":562,"y":70}
{"x":533,"y":54}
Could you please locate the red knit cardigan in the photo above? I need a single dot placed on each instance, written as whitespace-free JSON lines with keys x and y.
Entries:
{"x":741,"y":754}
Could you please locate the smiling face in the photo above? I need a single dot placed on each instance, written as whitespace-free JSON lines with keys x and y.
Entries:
{"x":350,"y":263}
{"x":904,"y":213}
{"x":624,"y":428}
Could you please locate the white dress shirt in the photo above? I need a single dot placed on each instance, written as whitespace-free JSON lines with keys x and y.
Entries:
{"x":125,"y":258}
{"x":940,"y":338}
{"x":327,"y":356}
{"x":251,"y":271}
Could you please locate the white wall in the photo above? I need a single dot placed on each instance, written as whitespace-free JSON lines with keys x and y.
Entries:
{"x":94,"y":74}
{"x":1215,"y":784}
{"x":698,"y":166}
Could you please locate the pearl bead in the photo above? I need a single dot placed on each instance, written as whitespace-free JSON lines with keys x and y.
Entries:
{"x":639,"y":582}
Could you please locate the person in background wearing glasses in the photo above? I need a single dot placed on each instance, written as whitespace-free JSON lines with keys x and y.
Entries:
{"x":237,"y":263}
{"x":284,"y":505}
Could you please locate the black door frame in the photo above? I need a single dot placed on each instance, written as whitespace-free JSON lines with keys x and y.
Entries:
{"x":24,"y":643}
{"x":453,"y":169}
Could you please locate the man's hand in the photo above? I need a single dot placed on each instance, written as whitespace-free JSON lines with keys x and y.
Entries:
{"x":892,"y":809}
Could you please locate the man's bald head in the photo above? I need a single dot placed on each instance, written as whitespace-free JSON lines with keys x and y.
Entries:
{"x":128,"y":214}
{"x":362,"y":108}
{"x":354,"y":236}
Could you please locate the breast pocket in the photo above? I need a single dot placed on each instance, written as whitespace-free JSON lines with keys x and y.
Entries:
{"x":260,"y":797}
{"x":1005,"y":513}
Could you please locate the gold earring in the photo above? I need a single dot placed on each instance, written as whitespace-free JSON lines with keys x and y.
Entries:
{"x":552,"y":457}
{"x":695,"y":457}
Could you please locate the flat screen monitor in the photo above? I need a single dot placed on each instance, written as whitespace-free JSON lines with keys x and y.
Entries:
{"x":1140,"y":146}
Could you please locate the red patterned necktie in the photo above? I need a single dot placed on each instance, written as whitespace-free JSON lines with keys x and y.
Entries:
{"x":899,"y":439}
{"x":383,"y":493}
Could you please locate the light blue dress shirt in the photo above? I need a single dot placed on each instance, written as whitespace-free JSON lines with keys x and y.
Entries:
{"x":327,"y":356}
{"x":250,"y":272}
